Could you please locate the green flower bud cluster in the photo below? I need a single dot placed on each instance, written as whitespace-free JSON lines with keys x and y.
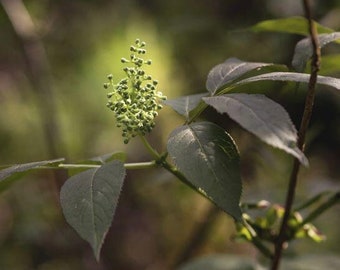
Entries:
{"x":135,"y":99}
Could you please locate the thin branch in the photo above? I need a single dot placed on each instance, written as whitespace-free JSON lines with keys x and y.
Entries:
{"x":309,"y":102}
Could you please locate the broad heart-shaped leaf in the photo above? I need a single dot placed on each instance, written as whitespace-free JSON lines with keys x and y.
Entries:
{"x":15,"y":171}
{"x":261,"y":116}
{"x":291,"y":76}
{"x":304,"y":51}
{"x":89,"y":200}
{"x":292,"y":25}
{"x":228,"y":71}
{"x":183,"y":105}
{"x":209,"y":159}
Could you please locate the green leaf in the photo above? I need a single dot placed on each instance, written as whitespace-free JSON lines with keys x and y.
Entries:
{"x":263,"y":117}
{"x":304,"y":51}
{"x":291,"y":76}
{"x":183,"y":105}
{"x":221,"y":262}
{"x":292,"y":25}
{"x":330,"y":64}
{"x":16,"y":171}
{"x":209,"y":159}
{"x":89,"y":200}
{"x":229,"y":71}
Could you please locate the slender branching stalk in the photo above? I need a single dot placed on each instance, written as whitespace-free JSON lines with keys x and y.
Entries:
{"x":315,"y":65}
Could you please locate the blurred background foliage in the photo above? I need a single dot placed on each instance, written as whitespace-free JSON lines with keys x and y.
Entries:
{"x":158,"y":219}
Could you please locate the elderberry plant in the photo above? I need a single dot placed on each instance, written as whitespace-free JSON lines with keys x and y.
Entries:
{"x":135,"y":99}
{"x":201,"y":154}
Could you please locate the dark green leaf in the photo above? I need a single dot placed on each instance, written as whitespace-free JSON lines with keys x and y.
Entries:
{"x":228,"y":71}
{"x":19,"y":170}
{"x":263,"y":117}
{"x":292,"y":25}
{"x":89,"y":200}
{"x":209,"y":159}
{"x":292,"y":76}
{"x":183,"y":105}
{"x":221,"y":262}
{"x":304,"y":51}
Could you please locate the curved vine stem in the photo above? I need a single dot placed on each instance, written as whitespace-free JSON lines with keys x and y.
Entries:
{"x":315,"y":65}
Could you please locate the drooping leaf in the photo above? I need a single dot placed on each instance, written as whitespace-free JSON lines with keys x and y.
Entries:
{"x":292,"y":25}
{"x":16,"y":171}
{"x":89,"y":200}
{"x":228,"y":71}
{"x":221,"y":262}
{"x":183,"y":105}
{"x":292,"y":76}
{"x":263,"y":117}
{"x":304,"y":50}
{"x":209,"y":159}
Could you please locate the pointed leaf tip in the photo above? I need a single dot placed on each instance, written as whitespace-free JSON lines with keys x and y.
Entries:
{"x":89,"y":200}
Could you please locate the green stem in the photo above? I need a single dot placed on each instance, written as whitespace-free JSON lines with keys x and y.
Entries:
{"x":151,"y":150}
{"x":128,"y":166}
{"x":160,"y":159}
{"x":308,"y":108}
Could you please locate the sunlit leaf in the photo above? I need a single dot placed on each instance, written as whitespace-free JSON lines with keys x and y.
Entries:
{"x":89,"y":200}
{"x":304,"y":50}
{"x":292,"y":25}
{"x":228,"y":71}
{"x":209,"y":159}
{"x":261,"y":116}
{"x":183,"y":105}
{"x":292,"y":76}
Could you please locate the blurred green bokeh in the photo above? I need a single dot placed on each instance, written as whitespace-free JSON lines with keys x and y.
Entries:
{"x":84,"y":41}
